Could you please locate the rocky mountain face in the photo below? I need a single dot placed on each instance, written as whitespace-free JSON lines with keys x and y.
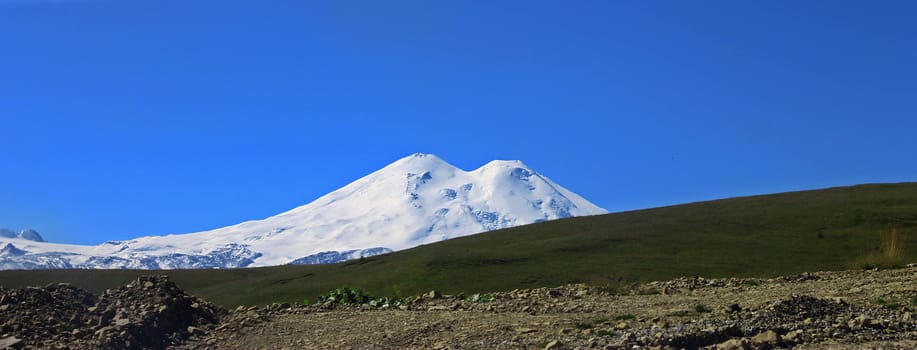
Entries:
{"x":416,"y":200}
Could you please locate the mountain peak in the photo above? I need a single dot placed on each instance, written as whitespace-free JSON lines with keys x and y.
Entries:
{"x":429,"y":162}
{"x":505,"y":164}
{"x":418,"y":199}
{"x":422,"y":155}
{"x":420,"y":158}
{"x":419,"y":162}
{"x":28,"y":234}
{"x":31,"y":235}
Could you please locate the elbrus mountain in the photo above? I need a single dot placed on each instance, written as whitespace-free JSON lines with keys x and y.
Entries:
{"x":416,"y":200}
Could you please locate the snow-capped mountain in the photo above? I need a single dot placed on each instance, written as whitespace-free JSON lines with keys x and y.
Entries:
{"x":416,"y":200}
{"x":28,"y":234}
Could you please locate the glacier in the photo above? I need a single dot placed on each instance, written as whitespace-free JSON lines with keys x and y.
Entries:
{"x":419,"y":199}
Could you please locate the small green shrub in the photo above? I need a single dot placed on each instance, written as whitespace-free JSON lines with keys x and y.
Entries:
{"x":625,"y":317}
{"x":481,"y":298}
{"x":600,"y":321}
{"x":356,"y":296}
{"x":751,"y":283}
{"x":386,"y":302}
{"x":345,"y":296}
{"x":583,"y":325}
{"x":701,"y":308}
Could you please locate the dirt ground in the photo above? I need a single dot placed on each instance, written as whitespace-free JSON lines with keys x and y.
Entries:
{"x":843,"y":310}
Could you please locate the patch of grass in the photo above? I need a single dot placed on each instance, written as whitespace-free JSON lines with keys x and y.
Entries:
{"x":696,"y":310}
{"x":600,"y":321}
{"x":583,"y":325}
{"x":625,"y":317}
{"x":395,"y":289}
{"x":751,"y":283}
{"x":748,"y":237}
{"x":682,"y":313}
{"x":606,"y":333}
{"x":890,"y":252}
{"x":701,"y":309}
{"x":887,"y":304}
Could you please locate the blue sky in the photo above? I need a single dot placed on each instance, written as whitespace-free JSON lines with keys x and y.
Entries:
{"x":126,"y":118}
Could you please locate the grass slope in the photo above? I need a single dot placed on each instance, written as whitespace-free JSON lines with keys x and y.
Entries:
{"x":750,"y":236}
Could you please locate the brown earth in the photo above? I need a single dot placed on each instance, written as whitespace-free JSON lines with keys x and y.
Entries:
{"x":844,"y":310}
{"x":849,"y":309}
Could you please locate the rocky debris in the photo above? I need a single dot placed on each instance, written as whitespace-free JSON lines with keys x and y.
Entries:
{"x":553,"y":345}
{"x":802,"y":277}
{"x":784,"y":323}
{"x":57,"y":313}
{"x":149,"y":313}
{"x":530,"y":301}
{"x":813,"y":310}
{"x":10,"y":343}
{"x":732,"y":308}
{"x":433,"y":295}
{"x":685,"y":285}
{"x":869,"y":309}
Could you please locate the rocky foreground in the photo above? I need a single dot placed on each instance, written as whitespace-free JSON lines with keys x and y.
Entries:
{"x":848,"y":309}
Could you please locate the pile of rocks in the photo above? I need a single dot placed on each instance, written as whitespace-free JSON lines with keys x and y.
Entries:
{"x":683,"y":285}
{"x":149,"y":313}
{"x":795,"y":320}
{"x":56,"y":313}
{"x":531,"y":301}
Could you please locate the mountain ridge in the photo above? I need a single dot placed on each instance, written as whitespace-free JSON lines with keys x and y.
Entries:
{"x":415,"y":200}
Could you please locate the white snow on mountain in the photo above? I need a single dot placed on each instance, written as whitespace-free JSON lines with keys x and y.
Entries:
{"x":28,"y":234}
{"x":416,"y":200}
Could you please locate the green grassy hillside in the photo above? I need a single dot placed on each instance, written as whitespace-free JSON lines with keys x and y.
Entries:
{"x":769,"y":235}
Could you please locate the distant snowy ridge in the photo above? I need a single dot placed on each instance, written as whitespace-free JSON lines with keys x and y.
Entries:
{"x":416,"y":200}
{"x":28,"y":234}
{"x":331,"y":257}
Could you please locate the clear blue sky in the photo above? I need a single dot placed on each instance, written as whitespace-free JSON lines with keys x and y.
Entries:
{"x":122,"y":118}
